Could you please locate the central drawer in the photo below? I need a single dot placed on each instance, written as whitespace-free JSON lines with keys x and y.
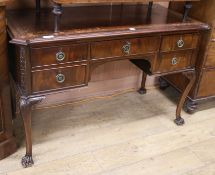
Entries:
{"x":47,"y":56}
{"x":59,"y":78}
{"x":125,"y":47}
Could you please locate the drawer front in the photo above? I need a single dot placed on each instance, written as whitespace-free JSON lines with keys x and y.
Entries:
{"x":174,"y":61}
{"x":207,"y":84}
{"x":58,"y":78}
{"x":119,"y":48}
{"x":56,"y":55}
{"x":179,"y":42}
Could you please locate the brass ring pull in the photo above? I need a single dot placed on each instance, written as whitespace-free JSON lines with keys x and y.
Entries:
{"x":126,"y":48}
{"x":60,"y":56}
{"x":180,"y":43}
{"x":174,"y":61}
{"x":60,"y":78}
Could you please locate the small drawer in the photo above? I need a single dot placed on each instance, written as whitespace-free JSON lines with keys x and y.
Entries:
{"x":174,"y":61}
{"x":210,"y":60}
{"x":179,"y":42}
{"x":60,"y":54}
{"x":59,"y":78}
{"x":127,"y":47}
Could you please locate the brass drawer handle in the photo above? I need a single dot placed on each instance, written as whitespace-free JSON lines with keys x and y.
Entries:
{"x":60,"y":78}
{"x":180,"y":43}
{"x":126,"y":48}
{"x":60,"y":56}
{"x":174,"y":61}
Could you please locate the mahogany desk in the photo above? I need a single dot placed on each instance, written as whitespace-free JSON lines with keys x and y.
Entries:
{"x":46,"y":61}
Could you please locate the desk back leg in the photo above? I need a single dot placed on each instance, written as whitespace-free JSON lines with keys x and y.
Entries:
{"x":142,"y":89}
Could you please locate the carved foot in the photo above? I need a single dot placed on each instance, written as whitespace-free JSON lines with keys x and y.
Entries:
{"x":27,"y":161}
{"x":142,"y":91}
{"x":163,"y":84}
{"x":190,"y":106}
{"x":179,"y":121}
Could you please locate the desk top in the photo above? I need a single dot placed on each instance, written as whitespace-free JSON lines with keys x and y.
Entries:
{"x":96,"y":21}
{"x":111,"y":1}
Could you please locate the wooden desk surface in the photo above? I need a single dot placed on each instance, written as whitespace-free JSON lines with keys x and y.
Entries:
{"x":95,"y":21}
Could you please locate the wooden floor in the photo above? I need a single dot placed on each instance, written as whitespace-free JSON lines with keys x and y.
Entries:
{"x":128,"y":134}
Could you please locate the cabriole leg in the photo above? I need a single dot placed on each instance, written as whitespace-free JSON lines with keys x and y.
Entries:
{"x":27,"y":160}
{"x":142,"y":89}
{"x":179,"y":120}
{"x":25,"y":110}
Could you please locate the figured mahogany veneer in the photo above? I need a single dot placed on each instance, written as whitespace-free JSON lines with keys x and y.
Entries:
{"x":46,"y":79}
{"x":47,"y":61}
{"x":47,"y":56}
{"x":169,"y":43}
{"x":167,"y":63}
{"x":114,"y":48}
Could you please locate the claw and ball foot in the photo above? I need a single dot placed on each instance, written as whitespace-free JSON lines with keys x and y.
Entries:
{"x":163,"y":84}
{"x":142,"y":91}
{"x":179,"y":121}
{"x":27,"y":161}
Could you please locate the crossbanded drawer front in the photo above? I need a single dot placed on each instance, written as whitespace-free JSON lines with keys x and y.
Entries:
{"x":179,"y":42}
{"x":125,"y":47}
{"x":47,"y":56}
{"x":174,"y":61}
{"x":58,"y":78}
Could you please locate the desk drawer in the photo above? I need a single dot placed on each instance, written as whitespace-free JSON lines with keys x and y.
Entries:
{"x":174,"y":61}
{"x":58,"y":78}
{"x":60,"y":54}
{"x":179,"y":42}
{"x":127,"y":47}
